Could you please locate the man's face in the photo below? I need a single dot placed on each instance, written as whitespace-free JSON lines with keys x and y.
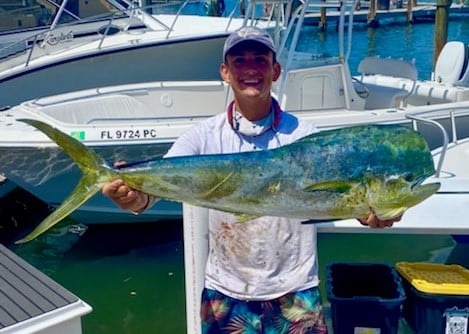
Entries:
{"x":250,"y":70}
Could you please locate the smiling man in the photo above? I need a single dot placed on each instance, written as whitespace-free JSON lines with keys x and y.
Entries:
{"x":262,"y":275}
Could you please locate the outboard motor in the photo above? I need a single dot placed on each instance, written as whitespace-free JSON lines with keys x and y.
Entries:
{"x":452,"y":65}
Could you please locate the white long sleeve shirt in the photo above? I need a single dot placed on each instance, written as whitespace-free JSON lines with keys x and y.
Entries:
{"x":264,"y":258}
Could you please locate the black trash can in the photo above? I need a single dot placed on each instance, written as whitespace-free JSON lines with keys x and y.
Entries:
{"x":437,"y":297}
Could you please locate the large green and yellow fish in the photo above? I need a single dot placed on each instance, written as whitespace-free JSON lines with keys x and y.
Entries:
{"x":335,"y":174}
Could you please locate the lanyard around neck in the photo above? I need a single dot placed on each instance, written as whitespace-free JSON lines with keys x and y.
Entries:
{"x":276,"y":110}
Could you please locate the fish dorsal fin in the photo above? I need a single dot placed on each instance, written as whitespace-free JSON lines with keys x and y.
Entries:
{"x":212,"y":192}
{"x":335,"y":186}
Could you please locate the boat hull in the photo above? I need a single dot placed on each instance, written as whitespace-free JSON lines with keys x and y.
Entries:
{"x":158,"y":61}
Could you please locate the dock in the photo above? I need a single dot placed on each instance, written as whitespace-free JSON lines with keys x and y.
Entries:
{"x":32,"y":302}
{"x":421,"y":12}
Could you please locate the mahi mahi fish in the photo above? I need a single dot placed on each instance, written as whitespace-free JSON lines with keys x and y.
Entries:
{"x":333,"y":174}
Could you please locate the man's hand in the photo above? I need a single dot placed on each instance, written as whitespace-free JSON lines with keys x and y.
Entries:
{"x":374,"y":222}
{"x":126,"y":197}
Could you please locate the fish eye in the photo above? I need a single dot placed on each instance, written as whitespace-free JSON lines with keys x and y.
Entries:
{"x":408,"y":177}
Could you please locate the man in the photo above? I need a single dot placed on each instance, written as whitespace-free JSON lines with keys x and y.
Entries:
{"x":262,"y":275}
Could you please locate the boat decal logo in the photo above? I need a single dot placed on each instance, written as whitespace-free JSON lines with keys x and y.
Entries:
{"x":80,"y":135}
{"x":54,"y":39}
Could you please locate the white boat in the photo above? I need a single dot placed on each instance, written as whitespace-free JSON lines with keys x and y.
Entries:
{"x":21,"y":21}
{"x":130,"y":106}
{"x":449,"y":81}
{"x":142,"y":121}
{"x":137,"y":121}
{"x":168,"y":47}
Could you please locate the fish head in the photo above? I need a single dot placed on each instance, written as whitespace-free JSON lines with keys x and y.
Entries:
{"x":390,"y":197}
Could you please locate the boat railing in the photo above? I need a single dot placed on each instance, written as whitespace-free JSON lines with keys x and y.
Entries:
{"x":293,"y":29}
{"x":450,"y":113}
{"x":142,"y":13}
{"x":63,"y":37}
{"x":444,"y":147}
{"x":450,"y":110}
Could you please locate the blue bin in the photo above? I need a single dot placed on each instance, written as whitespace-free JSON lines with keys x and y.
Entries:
{"x":364,"y":297}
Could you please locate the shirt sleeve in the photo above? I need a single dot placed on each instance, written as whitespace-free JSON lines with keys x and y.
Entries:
{"x":188,"y":143}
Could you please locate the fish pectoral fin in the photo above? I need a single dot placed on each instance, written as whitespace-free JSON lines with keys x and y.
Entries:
{"x":244,"y":217}
{"x":389,"y":213}
{"x":212,"y":192}
{"x":84,"y":190}
{"x":335,"y":186}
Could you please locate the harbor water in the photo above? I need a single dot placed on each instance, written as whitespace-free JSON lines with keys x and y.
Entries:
{"x":133,"y":274}
{"x":413,"y":42}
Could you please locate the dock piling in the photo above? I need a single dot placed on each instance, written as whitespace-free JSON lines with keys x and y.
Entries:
{"x":441,"y":27}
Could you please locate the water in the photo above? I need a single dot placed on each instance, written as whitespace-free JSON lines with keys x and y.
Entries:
{"x":410,"y":42}
{"x":133,"y":275}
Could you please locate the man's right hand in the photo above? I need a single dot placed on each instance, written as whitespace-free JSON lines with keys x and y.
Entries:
{"x":126,"y":197}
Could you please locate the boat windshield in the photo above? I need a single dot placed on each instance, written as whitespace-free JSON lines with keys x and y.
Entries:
{"x":27,"y":14}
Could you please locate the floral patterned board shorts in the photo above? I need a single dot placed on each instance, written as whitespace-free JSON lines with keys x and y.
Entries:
{"x":297,"y":312}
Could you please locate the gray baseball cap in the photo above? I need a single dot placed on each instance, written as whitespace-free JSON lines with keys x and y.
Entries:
{"x":248,"y":34}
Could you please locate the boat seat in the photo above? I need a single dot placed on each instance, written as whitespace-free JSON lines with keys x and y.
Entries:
{"x":377,"y":96}
{"x":452,"y":66}
{"x":119,"y":107}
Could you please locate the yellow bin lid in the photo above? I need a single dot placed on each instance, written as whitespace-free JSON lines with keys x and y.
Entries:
{"x":436,"y":278}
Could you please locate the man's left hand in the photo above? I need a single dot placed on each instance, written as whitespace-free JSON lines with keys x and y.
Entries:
{"x":374,"y":222}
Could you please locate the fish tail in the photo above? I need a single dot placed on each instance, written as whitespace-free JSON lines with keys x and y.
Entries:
{"x":95,"y":174}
